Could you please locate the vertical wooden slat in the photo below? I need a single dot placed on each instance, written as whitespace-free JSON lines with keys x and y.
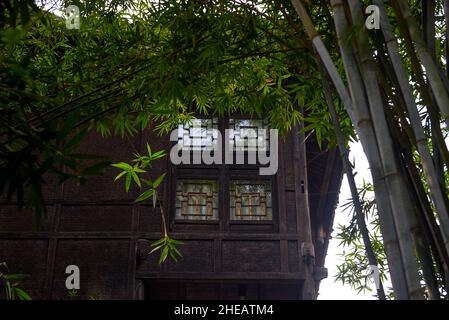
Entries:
{"x":51,"y":252}
{"x":302,"y":207}
{"x":282,"y":215}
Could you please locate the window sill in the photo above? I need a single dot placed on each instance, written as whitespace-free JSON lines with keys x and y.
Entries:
{"x":213,"y":222}
{"x":237,"y":222}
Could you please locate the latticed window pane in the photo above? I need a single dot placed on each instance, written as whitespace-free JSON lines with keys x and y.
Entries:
{"x":198,"y":135}
{"x":250,"y":200}
{"x":196,"y":200}
{"x":249,"y":135}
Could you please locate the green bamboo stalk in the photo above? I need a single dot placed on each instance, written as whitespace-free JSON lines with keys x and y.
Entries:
{"x":425,"y":92}
{"x":420,"y":230}
{"x":408,"y":143}
{"x":430,"y":172}
{"x":344,"y":153}
{"x":364,"y":128}
{"x":402,"y":11}
{"x":399,"y":197}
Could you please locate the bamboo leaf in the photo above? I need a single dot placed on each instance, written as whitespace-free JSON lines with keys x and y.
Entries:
{"x":136,"y":178}
{"x":122,"y":165}
{"x":158,"y":181}
{"x":128,"y":181}
{"x":144,"y":195}
{"x":121,"y":174}
{"x":164,"y":255}
{"x":21,"y":294}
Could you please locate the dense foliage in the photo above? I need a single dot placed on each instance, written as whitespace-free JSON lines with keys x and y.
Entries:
{"x":135,"y":64}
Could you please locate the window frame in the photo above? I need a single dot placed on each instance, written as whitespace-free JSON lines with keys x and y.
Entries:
{"x":223,"y":174}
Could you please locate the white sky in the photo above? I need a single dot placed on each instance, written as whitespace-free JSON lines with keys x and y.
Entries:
{"x":329,"y":289}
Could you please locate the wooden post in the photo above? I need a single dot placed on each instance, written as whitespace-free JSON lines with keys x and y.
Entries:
{"x":306,"y":247}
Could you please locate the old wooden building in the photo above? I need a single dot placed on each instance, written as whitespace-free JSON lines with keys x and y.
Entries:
{"x":246,"y":236}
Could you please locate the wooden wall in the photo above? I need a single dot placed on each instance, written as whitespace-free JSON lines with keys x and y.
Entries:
{"x":97,"y":227}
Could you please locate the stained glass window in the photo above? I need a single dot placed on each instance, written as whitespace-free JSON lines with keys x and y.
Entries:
{"x":196,"y":200}
{"x":250,"y":200}
{"x":198,"y":134}
{"x":249,"y":135}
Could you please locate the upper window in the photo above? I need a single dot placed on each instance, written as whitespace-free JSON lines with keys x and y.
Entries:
{"x":248,"y":195}
{"x":197,"y":200}
{"x":250,"y":200}
{"x":198,"y":134}
{"x":249,"y":135}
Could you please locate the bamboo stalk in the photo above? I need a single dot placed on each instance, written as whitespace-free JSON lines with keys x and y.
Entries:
{"x":364,"y":128}
{"x":408,"y":141}
{"x":400,"y":199}
{"x":429,"y":36}
{"x":402,"y":11}
{"x":425,"y":93}
{"x":430,"y":173}
{"x":344,"y":153}
{"x":422,"y":237}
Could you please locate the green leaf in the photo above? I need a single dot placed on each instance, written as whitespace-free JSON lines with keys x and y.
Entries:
{"x":136,"y":178}
{"x":176,"y":241}
{"x":121,"y":174}
{"x":123,"y":166}
{"x":156,"y":248}
{"x":154,"y":198}
{"x":21,"y":294}
{"x":158,"y":155}
{"x":173,"y":256}
{"x":177,"y":252}
{"x":138,"y":170}
{"x":9,"y":291}
{"x":158,"y":242}
{"x":144,"y":195}
{"x":14,"y":276}
{"x":128,"y":181}
{"x":158,"y":181}
{"x":149,"y":150}
{"x":148,"y":182}
{"x":164,"y":255}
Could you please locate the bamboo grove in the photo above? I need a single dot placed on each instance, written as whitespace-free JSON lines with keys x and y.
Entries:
{"x":390,"y":86}
{"x":381,"y":99}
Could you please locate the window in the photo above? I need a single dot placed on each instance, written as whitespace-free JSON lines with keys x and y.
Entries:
{"x":249,"y":135}
{"x":250,"y":200}
{"x":197,"y":200}
{"x":244,"y":195}
{"x":198,"y":135}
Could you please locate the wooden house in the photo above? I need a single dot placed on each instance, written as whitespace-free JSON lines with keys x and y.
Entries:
{"x":246,"y":236}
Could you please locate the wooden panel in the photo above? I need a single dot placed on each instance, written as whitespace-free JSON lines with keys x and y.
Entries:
{"x":51,"y":188}
{"x":280,"y":291}
{"x":95,"y":218}
{"x":232,"y":291}
{"x":291,"y":213}
{"x":103,"y":268}
{"x":164,"y":290}
{"x":197,"y":257}
{"x":288,"y":163}
{"x":27,"y":257}
{"x":103,"y":187}
{"x":13,"y":220}
{"x":196,"y":227}
{"x":149,"y":219}
{"x":252,"y":227}
{"x":202,"y":291}
{"x":251,"y":256}
{"x":147,"y":262}
{"x":293,"y":256}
